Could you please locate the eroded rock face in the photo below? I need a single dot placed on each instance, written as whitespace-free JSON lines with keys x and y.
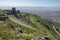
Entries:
{"x":19,"y":30}
{"x":2,"y":21}
{"x":10,"y":25}
{"x":47,"y":38}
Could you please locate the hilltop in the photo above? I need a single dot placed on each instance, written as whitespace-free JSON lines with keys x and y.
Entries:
{"x":16,"y":25}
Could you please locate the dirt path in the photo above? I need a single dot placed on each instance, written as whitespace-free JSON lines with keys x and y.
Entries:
{"x":56,"y":30}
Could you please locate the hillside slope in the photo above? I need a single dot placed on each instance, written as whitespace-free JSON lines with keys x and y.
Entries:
{"x":29,"y":27}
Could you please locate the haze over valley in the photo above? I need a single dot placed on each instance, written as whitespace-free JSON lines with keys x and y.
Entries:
{"x":50,"y":13}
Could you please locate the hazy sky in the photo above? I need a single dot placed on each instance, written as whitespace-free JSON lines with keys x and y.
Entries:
{"x":30,"y":3}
